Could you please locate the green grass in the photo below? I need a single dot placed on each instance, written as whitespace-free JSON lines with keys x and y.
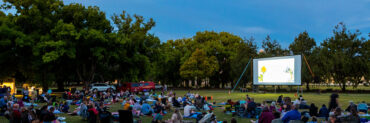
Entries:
{"x":222,"y":95}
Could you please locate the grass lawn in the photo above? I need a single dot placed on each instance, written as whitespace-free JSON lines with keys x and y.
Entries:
{"x":222,"y":95}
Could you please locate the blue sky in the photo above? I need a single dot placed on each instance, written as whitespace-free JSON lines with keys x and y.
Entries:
{"x":281,"y":19}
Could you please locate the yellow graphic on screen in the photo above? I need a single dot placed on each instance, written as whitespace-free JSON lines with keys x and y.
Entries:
{"x":263,"y":70}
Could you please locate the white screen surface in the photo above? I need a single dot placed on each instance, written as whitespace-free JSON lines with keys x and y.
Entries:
{"x":277,"y":71}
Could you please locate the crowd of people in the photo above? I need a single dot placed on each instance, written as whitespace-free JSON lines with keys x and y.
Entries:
{"x":93,"y":106}
{"x":284,"y":110}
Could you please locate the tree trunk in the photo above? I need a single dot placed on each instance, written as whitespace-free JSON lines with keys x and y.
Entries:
{"x":60,"y":85}
{"x":308,"y":86}
{"x":343,"y":87}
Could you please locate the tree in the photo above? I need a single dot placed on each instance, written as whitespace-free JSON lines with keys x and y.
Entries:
{"x":35,"y":19}
{"x":138,"y":48}
{"x":303,"y":45}
{"x":245,"y":52}
{"x":342,"y":51}
{"x":272,"y":48}
{"x":199,"y":66}
{"x":167,"y":67}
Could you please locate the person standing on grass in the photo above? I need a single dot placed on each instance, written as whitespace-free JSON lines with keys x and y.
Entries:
{"x":292,"y":115}
{"x":333,"y":104}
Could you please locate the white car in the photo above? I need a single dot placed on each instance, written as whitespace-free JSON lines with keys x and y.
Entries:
{"x":101,"y":87}
{"x":158,"y":87}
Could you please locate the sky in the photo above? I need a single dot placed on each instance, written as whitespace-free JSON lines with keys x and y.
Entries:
{"x":283,"y":20}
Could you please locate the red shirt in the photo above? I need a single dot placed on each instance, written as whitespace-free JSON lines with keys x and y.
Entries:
{"x":16,"y":114}
{"x":266,"y":117}
{"x":94,"y":110}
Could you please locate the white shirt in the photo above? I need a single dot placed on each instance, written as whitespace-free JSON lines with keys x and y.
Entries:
{"x":179,"y":99}
{"x":175,"y":118}
{"x":170,"y":99}
{"x":187,"y":110}
{"x":296,"y":102}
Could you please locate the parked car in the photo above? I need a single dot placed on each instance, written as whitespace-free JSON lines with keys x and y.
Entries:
{"x":137,"y":87}
{"x":101,"y":87}
{"x":158,"y":87}
{"x":147,"y":86}
{"x":132,"y":87}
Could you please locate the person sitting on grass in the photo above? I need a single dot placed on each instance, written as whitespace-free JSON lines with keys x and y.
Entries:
{"x":176,"y":117}
{"x":198,"y":102}
{"x":313,"y":110}
{"x":126,"y":105}
{"x":136,"y":109}
{"x":105,"y":116}
{"x":92,"y":113}
{"x":351,"y":104}
{"x":280,"y":100}
{"x":3,"y":102}
{"x":228,"y":106}
{"x":284,"y":109}
{"x":303,"y":104}
{"x":324,"y":112}
{"x":158,"y":107}
{"x":65,"y":107}
{"x":189,"y":111}
{"x":337,"y":112}
{"x":265,"y":117}
{"x":50,"y":117}
{"x":15,"y":116}
{"x":157,"y":118}
{"x":276,"y":114}
{"x":146,"y":109}
{"x":175,"y":102}
{"x":352,"y":118}
{"x":251,"y":108}
{"x":362,"y":107}
{"x":206,"y":118}
{"x":272,"y":107}
{"x":292,"y":115}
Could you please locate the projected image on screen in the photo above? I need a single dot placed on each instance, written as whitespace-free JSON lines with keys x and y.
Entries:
{"x":276,"y":70}
{"x":284,"y":70}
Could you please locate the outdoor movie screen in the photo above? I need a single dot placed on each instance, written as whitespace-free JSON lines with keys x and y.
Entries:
{"x":284,"y":70}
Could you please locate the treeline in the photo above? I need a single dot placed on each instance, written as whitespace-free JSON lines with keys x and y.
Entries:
{"x":46,"y":42}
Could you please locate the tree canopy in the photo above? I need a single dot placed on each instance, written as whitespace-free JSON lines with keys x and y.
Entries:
{"x":48,"y":42}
